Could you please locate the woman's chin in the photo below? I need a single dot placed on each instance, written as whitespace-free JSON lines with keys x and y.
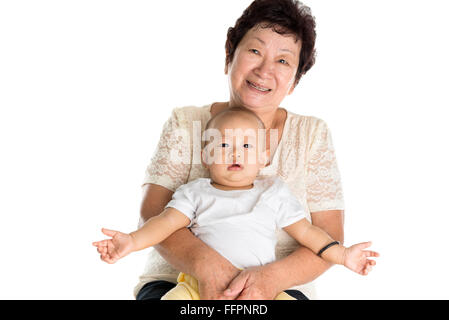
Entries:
{"x":257,"y":102}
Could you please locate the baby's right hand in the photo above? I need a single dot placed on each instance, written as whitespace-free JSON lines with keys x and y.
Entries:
{"x":116,"y":248}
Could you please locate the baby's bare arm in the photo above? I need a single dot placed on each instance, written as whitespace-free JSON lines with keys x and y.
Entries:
{"x":315,"y":239}
{"x":156,"y":229}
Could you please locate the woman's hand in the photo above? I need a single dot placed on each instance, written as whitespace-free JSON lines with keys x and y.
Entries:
{"x":212,"y":284}
{"x":255,"y":283}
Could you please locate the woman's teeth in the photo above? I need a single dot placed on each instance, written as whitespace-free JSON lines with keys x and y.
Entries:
{"x":258,"y":88}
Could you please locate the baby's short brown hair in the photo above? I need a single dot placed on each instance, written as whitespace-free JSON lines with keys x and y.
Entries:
{"x":235,"y":110}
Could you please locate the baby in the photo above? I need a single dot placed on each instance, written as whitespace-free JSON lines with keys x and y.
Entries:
{"x":235,"y":211}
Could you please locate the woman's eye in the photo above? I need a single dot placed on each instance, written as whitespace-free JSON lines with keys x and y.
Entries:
{"x":254,"y":51}
{"x":283,"y":61}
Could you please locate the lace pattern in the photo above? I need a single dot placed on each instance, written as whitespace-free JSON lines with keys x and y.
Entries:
{"x":169,"y":163}
{"x":323,"y":182}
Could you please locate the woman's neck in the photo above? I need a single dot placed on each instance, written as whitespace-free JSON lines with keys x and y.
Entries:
{"x":268,"y":115}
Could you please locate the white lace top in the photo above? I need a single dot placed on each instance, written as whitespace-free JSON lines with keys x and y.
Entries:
{"x":304,"y":159}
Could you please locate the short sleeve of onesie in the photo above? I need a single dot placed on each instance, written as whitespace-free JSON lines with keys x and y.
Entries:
{"x":289,"y":209}
{"x":182,"y":200}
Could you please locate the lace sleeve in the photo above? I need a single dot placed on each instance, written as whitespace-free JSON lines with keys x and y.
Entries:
{"x":170,"y":163}
{"x":323,"y":183}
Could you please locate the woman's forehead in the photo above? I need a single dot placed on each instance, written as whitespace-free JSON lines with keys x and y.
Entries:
{"x":268,"y":37}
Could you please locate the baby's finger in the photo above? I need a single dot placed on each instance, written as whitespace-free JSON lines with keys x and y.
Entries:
{"x":108,"y":232}
{"x":110,"y":260}
{"x":102,"y":250}
{"x":364,"y":245}
{"x":107,"y":258}
{"x":367,"y":270}
{"x":371,"y":262}
{"x":369,"y":253}
{"x":102,"y":243}
{"x":369,"y":266}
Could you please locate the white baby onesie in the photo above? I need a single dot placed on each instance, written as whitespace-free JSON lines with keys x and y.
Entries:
{"x":239,"y":224}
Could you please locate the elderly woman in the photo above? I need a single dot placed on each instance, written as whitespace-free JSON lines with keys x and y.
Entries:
{"x":267,"y":51}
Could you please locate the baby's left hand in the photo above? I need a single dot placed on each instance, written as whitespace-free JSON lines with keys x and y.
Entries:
{"x":356,"y":259}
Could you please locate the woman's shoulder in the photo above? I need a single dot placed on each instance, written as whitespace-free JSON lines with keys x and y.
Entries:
{"x":191,"y":112}
{"x":304,"y":120}
{"x":302,"y":125}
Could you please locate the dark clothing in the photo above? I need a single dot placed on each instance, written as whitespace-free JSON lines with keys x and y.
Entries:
{"x":154,"y":290}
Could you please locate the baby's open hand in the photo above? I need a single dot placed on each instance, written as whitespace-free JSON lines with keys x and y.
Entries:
{"x":111,"y":250}
{"x":357,"y":260}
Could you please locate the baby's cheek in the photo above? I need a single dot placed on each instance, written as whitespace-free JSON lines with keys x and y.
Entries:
{"x":251,"y":157}
{"x":218,"y":156}
{"x":224,"y":157}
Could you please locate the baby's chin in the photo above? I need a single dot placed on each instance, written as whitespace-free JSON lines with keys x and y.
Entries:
{"x":234,"y":180}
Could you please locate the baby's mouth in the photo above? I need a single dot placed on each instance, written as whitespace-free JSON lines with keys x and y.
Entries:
{"x":235,"y":167}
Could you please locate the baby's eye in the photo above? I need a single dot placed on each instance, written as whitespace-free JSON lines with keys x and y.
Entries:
{"x":224,"y":145}
{"x":247,"y":146}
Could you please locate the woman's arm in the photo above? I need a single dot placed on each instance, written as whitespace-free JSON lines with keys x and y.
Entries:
{"x":300,"y":267}
{"x":202,"y":262}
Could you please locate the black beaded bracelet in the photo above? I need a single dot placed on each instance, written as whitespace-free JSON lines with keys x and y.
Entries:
{"x":327,"y":247}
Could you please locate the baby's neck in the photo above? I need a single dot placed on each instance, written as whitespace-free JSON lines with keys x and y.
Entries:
{"x":227,"y":188}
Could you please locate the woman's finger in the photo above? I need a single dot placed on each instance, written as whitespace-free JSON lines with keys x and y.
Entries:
{"x":236,"y":286}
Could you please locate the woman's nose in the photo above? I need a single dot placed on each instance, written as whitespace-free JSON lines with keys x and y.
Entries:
{"x":264,"y":69}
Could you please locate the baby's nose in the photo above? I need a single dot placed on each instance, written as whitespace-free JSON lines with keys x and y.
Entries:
{"x":235,"y":154}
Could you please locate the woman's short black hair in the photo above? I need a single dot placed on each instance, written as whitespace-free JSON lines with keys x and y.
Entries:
{"x":283,"y":17}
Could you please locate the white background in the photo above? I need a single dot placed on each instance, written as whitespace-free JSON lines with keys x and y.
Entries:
{"x":85,"y":87}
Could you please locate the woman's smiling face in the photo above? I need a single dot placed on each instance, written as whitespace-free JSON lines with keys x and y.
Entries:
{"x":262,"y":72}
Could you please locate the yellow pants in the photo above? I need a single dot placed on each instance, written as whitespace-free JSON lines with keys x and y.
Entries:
{"x":187,"y":289}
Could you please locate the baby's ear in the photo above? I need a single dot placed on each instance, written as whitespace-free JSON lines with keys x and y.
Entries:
{"x":205,"y":165}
